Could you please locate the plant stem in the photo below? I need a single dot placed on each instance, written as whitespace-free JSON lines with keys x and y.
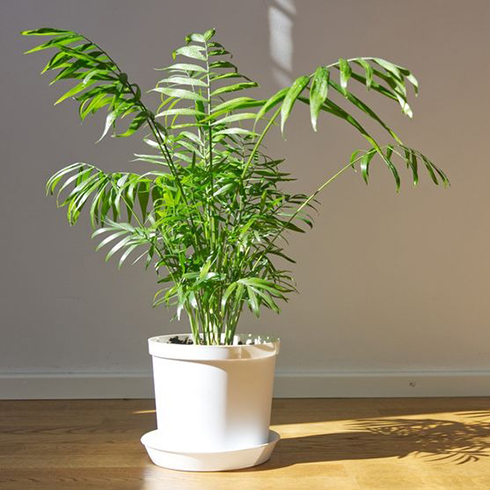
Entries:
{"x":259,"y":141}
{"x":156,"y":133}
{"x":303,"y":205}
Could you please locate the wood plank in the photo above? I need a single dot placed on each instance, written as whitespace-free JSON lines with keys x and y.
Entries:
{"x":354,"y":444}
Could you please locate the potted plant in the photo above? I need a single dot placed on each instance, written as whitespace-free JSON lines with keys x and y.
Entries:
{"x":210,"y":216}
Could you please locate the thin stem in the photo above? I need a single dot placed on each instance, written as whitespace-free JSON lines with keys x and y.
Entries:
{"x":278,"y":111}
{"x":259,"y":142}
{"x":173,"y":170}
{"x":303,"y":205}
{"x":156,"y":133}
{"x":194,"y":325}
{"x":210,"y":153}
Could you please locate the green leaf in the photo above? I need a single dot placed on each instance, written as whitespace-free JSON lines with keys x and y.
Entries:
{"x":94,"y":208}
{"x":195,"y":52}
{"x":234,"y":88}
{"x":53,"y":43}
{"x":125,"y":255}
{"x":226,"y":75}
{"x":365,"y":108}
{"x":442,"y":175}
{"x":185,"y":67}
{"x":179,"y":93}
{"x":234,"y":104}
{"x":55,"y":179}
{"x":109,"y":239}
{"x":318,"y":93}
{"x":119,"y":188}
{"x":209,"y":34}
{"x":368,"y":70}
{"x":46,"y":31}
{"x":75,"y":90}
{"x":143,"y":198}
{"x":72,"y":70}
{"x":345,"y":73}
{"x":110,"y":119}
{"x":83,"y":172}
{"x":414,"y":82}
{"x":135,"y":124}
{"x":364,"y":164}
{"x":77,"y":53}
{"x":94,"y":104}
{"x":229,"y":291}
{"x":411,"y":159}
{"x":218,"y":52}
{"x":332,"y":108}
{"x":191,"y":136}
{"x":387,"y":159}
{"x":101,"y":231}
{"x":234,"y":118}
{"x":184,"y":81}
{"x":195,"y":37}
{"x":213,"y":203}
{"x":205,"y":269}
{"x":181,"y":112}
{"x":242,"y":131}
{"x":375,"y":86}
{"x":58,"y":60}
{"x":398,"y":90}
{"x":253,"y":302}
{"x":429,"y":168}
{"x":224,"y":189}
{"x":223,"y":64}
{"x":117,"y":247}
{"x":267,"y":299}
{"x":390,"y":67}
{"x":271,"y":102}
{"x":354,"y":159}
{"x":294,"y":91}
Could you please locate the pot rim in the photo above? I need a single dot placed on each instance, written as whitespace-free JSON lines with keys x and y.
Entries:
{"x":160,"y":347}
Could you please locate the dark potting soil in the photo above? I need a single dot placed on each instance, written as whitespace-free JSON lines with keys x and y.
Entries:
{"x":187,"y":341}
{"x":178,"y":340}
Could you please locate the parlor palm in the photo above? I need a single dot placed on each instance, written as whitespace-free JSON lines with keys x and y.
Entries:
{"x":211,"y":215}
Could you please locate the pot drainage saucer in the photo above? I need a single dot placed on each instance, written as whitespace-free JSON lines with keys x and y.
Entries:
{"x":212,"y":461}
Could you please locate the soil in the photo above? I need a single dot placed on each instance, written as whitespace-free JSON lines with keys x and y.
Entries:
{"x":188,"y":341}
{"x":178,"y":340}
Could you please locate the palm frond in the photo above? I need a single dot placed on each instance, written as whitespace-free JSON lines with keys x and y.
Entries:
{"x":212,"y":212}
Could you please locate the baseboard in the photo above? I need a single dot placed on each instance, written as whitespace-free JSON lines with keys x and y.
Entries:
{"x":52,"y":386}
{"x":25,"y":386}
{"x":383,"y":384}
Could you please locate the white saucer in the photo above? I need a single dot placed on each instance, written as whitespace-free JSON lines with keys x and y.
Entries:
{"x":217,"y":461}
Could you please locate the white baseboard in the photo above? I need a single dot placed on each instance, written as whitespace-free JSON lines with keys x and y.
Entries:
{"x":51,"y":386}
{"x":25,"y":386}
{"x":383,"y":384}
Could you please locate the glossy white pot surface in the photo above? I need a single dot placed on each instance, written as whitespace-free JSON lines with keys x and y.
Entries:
{"x":213,"y":398}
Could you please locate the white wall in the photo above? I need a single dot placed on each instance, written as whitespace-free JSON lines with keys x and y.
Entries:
{"x":393,"y":287}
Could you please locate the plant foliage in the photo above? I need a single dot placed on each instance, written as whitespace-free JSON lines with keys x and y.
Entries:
{"x":212,"y":214}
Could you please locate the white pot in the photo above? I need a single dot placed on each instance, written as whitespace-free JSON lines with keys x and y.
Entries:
{"x":213,"y":399}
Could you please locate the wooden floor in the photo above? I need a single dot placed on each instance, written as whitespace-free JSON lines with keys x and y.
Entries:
{"x":393,"y":444}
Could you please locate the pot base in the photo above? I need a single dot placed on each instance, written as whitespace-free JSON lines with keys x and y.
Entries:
{"x":212,"y":461}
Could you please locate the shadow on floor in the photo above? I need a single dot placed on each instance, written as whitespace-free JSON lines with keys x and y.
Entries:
{"x":432,"y":439}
